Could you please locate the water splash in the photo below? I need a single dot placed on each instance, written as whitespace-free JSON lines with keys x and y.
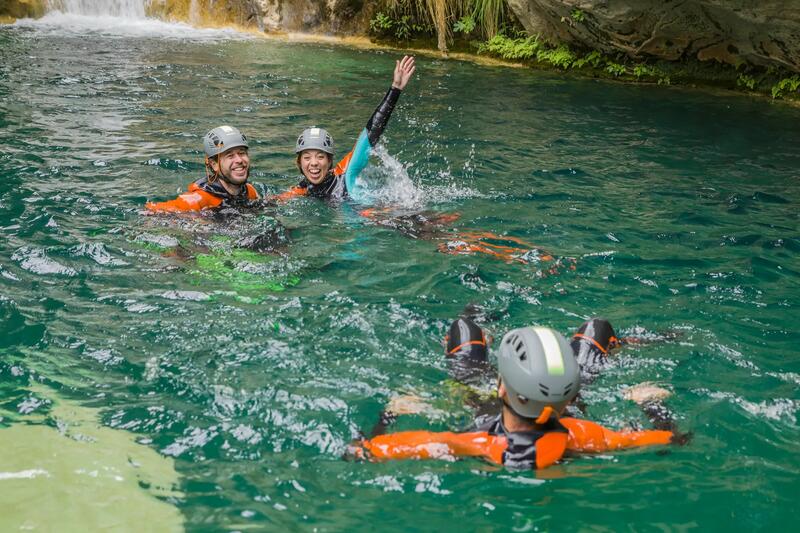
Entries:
{"x":390,"y":184}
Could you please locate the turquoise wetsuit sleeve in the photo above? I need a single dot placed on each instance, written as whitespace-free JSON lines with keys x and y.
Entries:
{"x":358,"y":160}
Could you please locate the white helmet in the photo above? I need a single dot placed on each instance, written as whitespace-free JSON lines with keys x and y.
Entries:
{"x":314,"y":139}
{"x":538,"y":370}
{"x":223,"y":138}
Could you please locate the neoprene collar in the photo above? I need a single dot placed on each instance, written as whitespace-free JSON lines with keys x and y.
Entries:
{"x":217,"y":189}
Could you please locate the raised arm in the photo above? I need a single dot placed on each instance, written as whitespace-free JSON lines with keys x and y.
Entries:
{"x":403,"y":71}
{"x":354,"y":162}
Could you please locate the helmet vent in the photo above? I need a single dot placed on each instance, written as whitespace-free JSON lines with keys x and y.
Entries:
{"x":544,"y":389}
{"x":519,"y":347}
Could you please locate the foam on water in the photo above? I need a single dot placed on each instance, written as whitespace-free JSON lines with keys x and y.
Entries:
{"x":109,"y":25}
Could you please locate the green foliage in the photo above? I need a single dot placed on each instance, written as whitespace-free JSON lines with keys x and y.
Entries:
{"x":488,"y":14}
{"x":615,"y":69}
{"x":790,"y":84}
{"x":508,"y":48}
{"x":564,"y":58}
{"x":464,"y":25}
{"x":643,"y":70}
{"x":401,"y":27}
{"x":593,"y":58}
{"x":745,"y":80}
{"x":561,"y":57}
{"x":380,"y":24}
{"x":578,"y":15}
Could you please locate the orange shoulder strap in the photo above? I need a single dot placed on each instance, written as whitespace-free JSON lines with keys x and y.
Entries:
{"x":341,"y":166}
{"x":252,"y":193}
{"x":430,"y":445}
{"x":585,"y":436}
{"x":294,"y":192}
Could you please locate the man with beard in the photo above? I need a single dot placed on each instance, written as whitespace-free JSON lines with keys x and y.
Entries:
{"x":227,"y":169}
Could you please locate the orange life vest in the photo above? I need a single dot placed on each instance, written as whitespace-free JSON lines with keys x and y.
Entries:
{"x":550,"y":446}
{"x":195,"y":199}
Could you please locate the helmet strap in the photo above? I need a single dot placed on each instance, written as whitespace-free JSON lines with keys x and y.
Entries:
{"x":209,"y":177}
{"x":545,"y":415}
{"x":523,"y":418}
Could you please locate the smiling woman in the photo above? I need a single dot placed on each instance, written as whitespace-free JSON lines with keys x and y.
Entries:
{"x":314,"y":148}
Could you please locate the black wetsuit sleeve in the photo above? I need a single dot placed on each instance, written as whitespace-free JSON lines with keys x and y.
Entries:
{"x":386,"y":419}
{"x":377,"y":122}
{"x":663,"y":419}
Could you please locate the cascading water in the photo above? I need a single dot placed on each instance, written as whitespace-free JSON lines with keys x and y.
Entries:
{"x":134,"y":9}
{"x":116,"y":18}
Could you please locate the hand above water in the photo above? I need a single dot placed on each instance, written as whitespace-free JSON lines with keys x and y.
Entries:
{"x":403,"y":71}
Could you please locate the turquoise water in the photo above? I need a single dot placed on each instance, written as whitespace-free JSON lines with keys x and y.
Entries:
{"x":680,"y":208}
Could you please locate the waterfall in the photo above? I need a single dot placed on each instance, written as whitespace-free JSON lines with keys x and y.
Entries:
{"x":120,"y":18}
{"x":131,"y":9}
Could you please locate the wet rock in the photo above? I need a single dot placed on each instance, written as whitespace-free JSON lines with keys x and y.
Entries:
{"x":730,"y":31}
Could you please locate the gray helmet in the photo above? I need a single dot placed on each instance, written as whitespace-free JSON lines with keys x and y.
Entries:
{"x":223,"y":138}
{"x":314,"y":139}
{"x":538,"y":370}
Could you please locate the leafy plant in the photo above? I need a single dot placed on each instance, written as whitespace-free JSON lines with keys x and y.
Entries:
{"x":380,"y":24}
{"x":402,"y":28}
{"x":790,"y":84}
{"x":464,"y":25}
{"x":507,"y":48}
{"x":745,"y":80}
{"x":593,"y":58}
{"x":561,"y":57}
{"x":615,"y":69}
{"x":578,"y":15}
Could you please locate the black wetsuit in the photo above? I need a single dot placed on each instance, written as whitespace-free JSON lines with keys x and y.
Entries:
{"x":245,"y":196}
{"x":521,"y":451}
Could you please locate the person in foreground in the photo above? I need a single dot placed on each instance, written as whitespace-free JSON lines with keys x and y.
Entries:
{"x":315,"y":148}
{"x":227,"y":171}
{"x":539,"y":376}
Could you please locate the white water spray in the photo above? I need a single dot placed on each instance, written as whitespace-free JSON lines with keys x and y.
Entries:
{"x":389,"y":184}
{"x":130,"y":9}
{"x":121,"y":18}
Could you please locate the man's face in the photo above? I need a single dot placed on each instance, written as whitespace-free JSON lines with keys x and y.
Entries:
{"x":314,"y":164}
{"x":234,"y":164}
